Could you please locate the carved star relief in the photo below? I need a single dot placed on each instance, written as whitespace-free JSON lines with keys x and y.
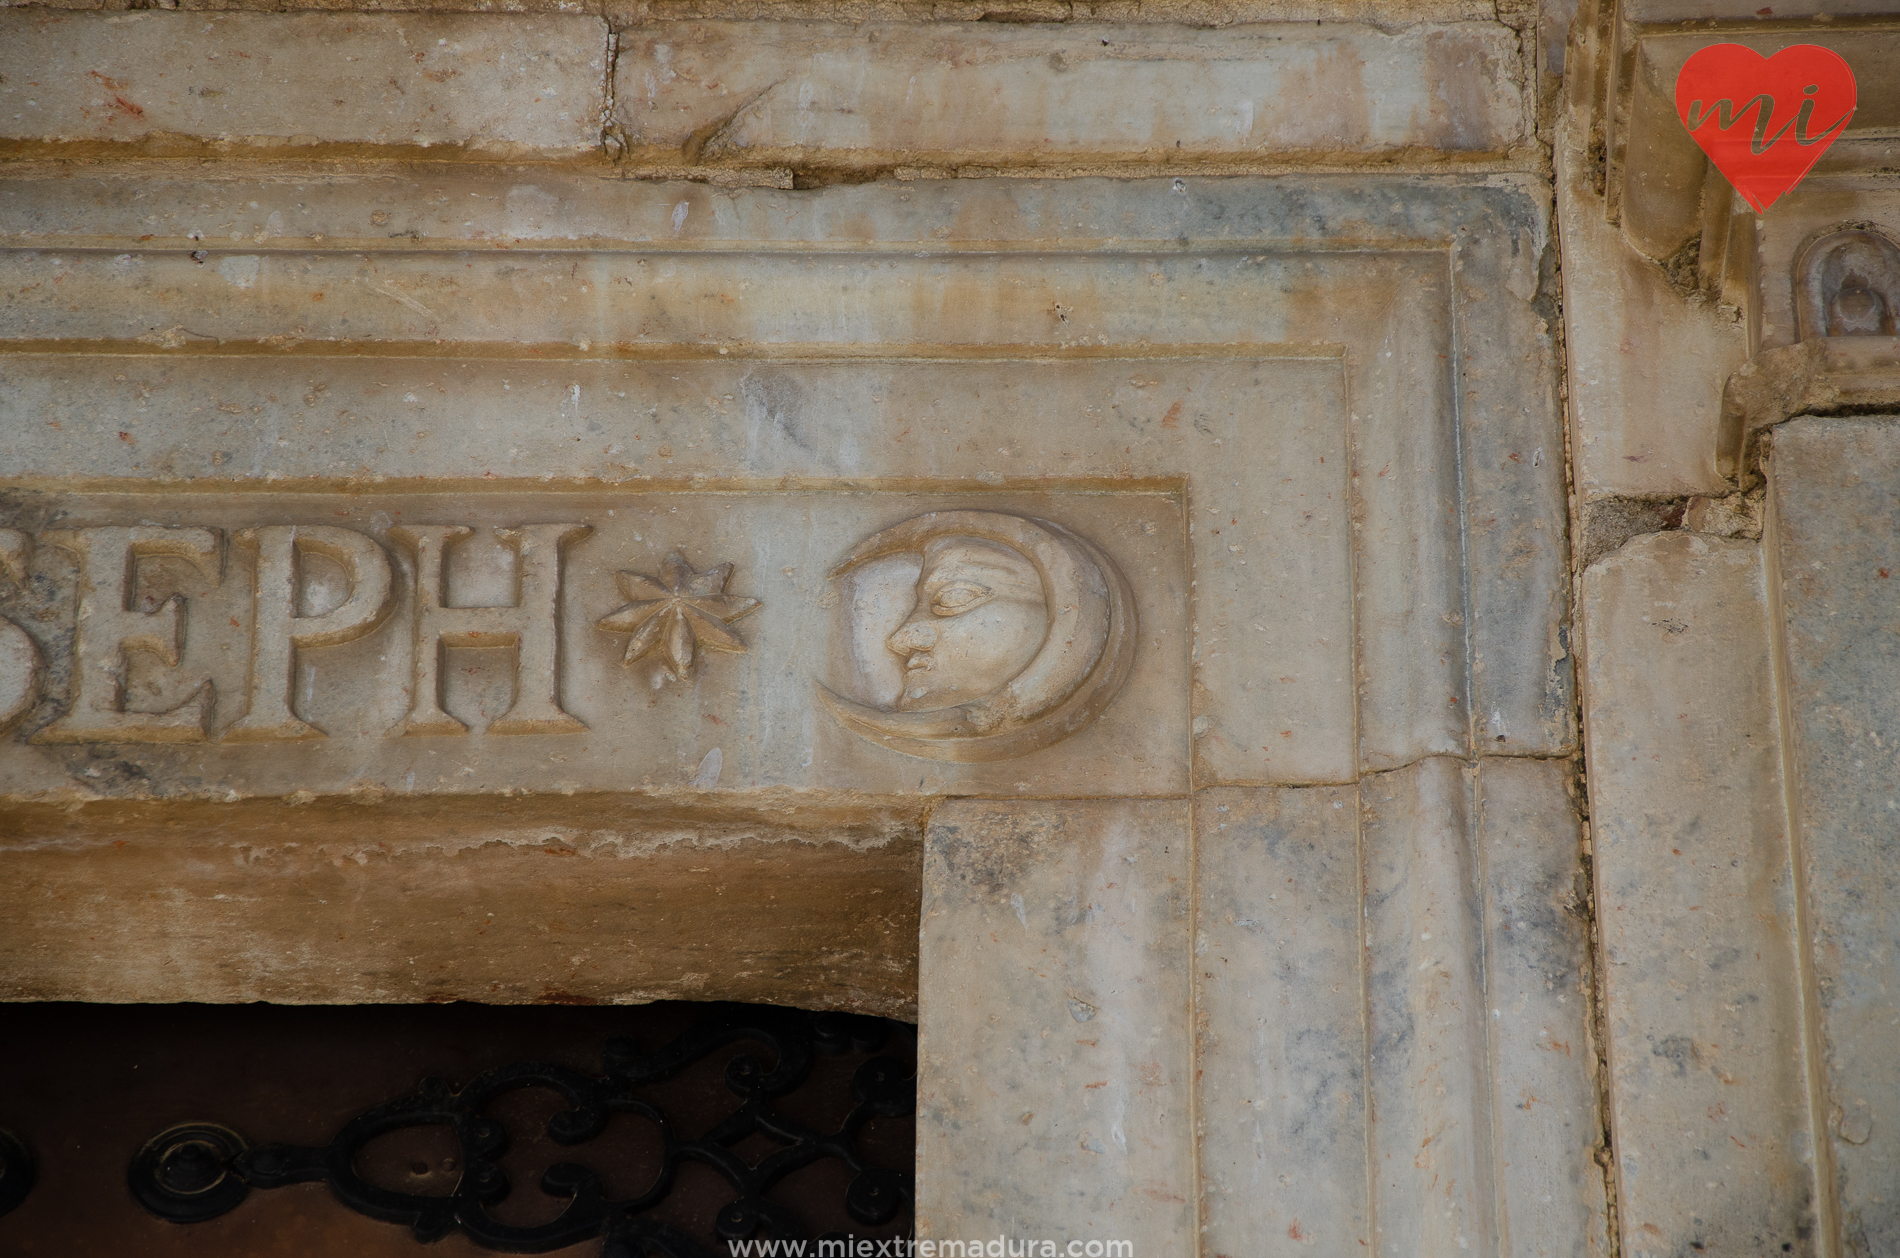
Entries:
{"x":678,"y":613}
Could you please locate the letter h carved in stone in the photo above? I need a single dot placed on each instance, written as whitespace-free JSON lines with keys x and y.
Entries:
{"x":531,"y":626}
{"x":277,"y":630}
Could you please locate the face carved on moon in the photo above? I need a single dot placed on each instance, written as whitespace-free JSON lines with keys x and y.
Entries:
{"x":979,"y":619}
{"x":1019,"y":634}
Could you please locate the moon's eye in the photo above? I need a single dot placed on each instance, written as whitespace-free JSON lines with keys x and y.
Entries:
{"x":958,"y":597}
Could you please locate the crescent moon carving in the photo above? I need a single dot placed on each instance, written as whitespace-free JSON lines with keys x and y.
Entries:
{"x":1085,"y":654}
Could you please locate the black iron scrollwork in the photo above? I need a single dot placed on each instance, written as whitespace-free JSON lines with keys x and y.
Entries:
{"x":197,"y":1171}
{"x":17,"y":1171}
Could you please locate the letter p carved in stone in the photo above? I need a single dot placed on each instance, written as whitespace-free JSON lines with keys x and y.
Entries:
{"x":277,"y":630}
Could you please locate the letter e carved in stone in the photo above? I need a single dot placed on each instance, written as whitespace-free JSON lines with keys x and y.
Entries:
{"x":277,"y":630}
{"x":110,"y":629}
{"x":531,"y":626}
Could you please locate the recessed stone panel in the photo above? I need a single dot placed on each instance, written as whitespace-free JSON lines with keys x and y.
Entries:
{"x":265,"y":644}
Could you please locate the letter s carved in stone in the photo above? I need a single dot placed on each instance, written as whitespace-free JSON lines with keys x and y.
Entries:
{"x":19,"y":658}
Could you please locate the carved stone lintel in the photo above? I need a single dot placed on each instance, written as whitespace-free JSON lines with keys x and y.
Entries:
{"x":19,"y":658}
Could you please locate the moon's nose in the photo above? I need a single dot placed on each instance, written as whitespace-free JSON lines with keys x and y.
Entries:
{"x":913,"y":636}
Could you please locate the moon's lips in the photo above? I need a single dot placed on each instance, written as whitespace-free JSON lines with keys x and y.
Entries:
{"x":1084,"y":658}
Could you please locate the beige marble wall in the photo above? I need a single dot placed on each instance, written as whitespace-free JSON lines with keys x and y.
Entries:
{"x":1268,"y":932}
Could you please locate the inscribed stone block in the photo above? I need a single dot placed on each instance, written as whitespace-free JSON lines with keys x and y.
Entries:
{"x":401,"y":643}
{"x":1279,"y":983}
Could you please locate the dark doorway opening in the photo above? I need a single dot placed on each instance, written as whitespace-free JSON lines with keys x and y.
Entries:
{"x":262,"y":1130}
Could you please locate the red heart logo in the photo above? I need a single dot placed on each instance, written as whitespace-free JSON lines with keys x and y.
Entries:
{"x":1765,"y":121}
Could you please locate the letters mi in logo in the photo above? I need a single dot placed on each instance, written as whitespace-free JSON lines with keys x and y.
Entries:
{"x":1765,"y":121}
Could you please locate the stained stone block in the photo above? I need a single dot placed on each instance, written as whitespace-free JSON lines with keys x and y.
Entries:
{"x":1695,"y":902}
{"x":1537,"y":992}
{"x":1834,"y":539}
{"x":1338,"y":1016}
{"x":571,"y":899}
{"x":1646,"y":368}
{"x":1055,"y":1071}
{"x":881,"y":93}
{"x":1431,"y":1144}
{"x":498,"y":85}
{"x":1278,"y":969}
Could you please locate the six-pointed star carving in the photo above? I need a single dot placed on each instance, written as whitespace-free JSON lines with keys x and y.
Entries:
{"x":677,"y":613}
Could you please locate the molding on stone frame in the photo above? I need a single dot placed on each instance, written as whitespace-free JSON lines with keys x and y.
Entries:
{"x":1833,"y":375}
{"x":1657,"y":185}
{"x":1845,"y":284}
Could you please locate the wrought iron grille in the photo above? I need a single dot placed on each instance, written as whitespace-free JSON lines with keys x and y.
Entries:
{"x":760,"y":1134}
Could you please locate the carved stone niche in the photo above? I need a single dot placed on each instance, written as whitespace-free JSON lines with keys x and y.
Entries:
{"x":1845,"y":285}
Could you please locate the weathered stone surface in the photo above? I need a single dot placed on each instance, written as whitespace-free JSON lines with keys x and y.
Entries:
{"x":1742,"y":10}
{"x":1194,"y":13}
{"x":590,"y":899}
{"x":780,"y":93}
{"x":1432,"y":1141}
{"x":1646,"y":368}
{"x":1053,"y":1023}
{"x":1695,"y":902}
{"x":500,"y":86}
{"x":1551,"y":1198}
{"x":1835,"y":539}
{"x":1516,"y":562}
{"x":1336,"y":393}
{"x":1280,"y":1021}
{"x":1818,"y":204}
{"x":1297,"y":1012}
